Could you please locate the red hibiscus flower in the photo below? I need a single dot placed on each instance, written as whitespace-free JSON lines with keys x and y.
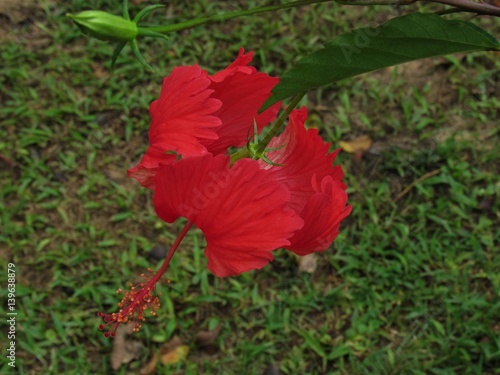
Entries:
{"x":253,"y":208}
{"x":245,"y":210}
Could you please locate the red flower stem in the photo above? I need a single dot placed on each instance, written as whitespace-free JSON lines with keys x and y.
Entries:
{"x":275,"y":128}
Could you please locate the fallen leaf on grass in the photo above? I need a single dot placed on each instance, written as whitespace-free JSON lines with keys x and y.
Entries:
{"x":356,"y":145}
{"x":170,"y":353}
{"x":176,"y":355}
{"x":124,"y":350}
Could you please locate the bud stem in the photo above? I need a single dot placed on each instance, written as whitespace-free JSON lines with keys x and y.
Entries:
{"x":227,"y":16}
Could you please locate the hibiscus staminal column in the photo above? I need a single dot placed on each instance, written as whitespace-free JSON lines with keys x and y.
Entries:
{"x":141,"y":297}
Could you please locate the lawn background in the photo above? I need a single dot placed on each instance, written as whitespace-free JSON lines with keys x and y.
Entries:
{"x":411,"y":286}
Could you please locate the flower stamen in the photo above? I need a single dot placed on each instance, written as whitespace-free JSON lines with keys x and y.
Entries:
{"x":141,"y":297}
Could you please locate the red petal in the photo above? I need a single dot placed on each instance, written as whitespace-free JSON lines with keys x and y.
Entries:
{"x":322,"y":215}
{"x":242,"y":93}
{"x":145,"y":171}
{"x":242,"y":211}
{"x":238,"y":65}
{"x":303,"y":154}
{"x":183,"y":115}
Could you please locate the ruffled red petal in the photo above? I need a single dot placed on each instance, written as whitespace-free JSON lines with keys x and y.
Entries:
{"x":322,"y":215}
{"x":240,"y":64}
{"x":302,"y":154}
{"x":242,"y":91}
{"x":241,"y":210}
{"x":145,"y":171}
{"x":184,"y":114}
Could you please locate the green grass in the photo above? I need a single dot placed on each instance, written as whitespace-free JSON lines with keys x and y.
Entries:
{"x":410,"y":287}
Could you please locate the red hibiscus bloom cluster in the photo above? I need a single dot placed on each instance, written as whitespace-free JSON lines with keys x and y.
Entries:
{"x":248,"y":209}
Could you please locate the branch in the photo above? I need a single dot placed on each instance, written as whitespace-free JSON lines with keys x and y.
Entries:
{"x":461,"y":5}
{"x":469,"y":6}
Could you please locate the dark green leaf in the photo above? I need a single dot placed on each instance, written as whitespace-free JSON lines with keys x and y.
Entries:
{"x":410,"y":37}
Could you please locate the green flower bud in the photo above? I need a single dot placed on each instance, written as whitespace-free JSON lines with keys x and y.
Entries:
{"x":105,"y":26}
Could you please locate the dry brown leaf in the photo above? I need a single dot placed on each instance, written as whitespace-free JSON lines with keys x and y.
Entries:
{"x":124,"y":350}
{"x":308,"y":263}
{"x":170,"y":345}
{"x":175,"y":356}
{"x":356,"y":145}
{"x":170,"y":353}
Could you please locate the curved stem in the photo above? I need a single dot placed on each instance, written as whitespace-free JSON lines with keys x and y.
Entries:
{"x":375,"y":2}
{"x":472,"y":7}
{"x":227,"y":16}
{"x":459,"y":5}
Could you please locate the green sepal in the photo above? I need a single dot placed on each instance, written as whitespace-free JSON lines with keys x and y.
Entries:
{"x":138,"y":56}
{"x":145,"y":12}
{"x":253,"y":148}
{"x":116,"y":52}
{"x":153,"y":34}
